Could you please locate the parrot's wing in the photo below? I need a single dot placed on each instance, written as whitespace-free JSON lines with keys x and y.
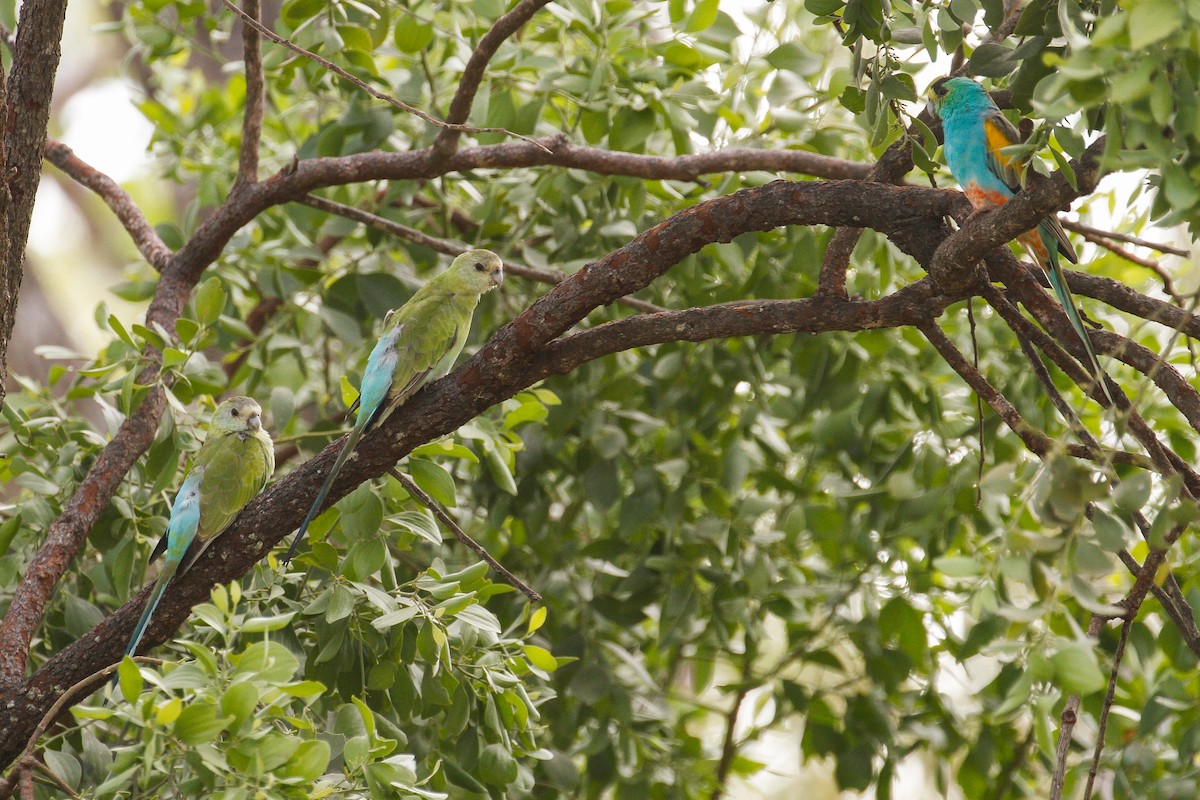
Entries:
{"x":433,"y":335}
{"x":1000,"y":134}
{"x":236,"y":467}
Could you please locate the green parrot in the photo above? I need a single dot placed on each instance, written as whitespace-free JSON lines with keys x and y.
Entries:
{"x":423,"y":340}
{"x":234,"y":463}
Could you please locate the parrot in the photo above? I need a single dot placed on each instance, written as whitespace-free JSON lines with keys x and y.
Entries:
{"x":975,"y":133}
{"x":231,"y":467}
{"x":424,"y":338}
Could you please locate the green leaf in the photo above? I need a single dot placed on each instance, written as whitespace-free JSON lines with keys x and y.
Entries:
{"x":1076,"y":671}
{"x":198,"y":723}
{"x":991,"y":60}
{"x":702,"y":16}
{"x":309,"y":762}
{"x":210,"y":301}
{"x":433,"y":480}
{"x":822,"y":8}
{"x":497,"y":765}
{"x":129,"y":677}
{"x":499,"y":470}
{"x":1152,"y":21}
{"x":1132,"y":492}
{"x":412,"y":35}
{"x":540,"y":657}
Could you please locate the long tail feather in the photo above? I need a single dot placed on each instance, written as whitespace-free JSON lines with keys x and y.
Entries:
{"x":1067,"y":300}
{"x":160,"y":586}
{"x":355,"y":434}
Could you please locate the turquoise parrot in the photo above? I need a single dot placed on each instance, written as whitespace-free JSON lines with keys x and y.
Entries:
{"x":231,"y":467}
{"x":975,"y":133}
{"x":424,"y":337}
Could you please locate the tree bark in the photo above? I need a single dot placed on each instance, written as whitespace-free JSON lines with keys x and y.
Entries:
{"x":26,"y":96}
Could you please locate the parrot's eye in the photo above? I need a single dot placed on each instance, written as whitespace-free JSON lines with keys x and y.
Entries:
{"x":939,"y":88}
{"x":479,"y":266}
{"x":233,"y":411}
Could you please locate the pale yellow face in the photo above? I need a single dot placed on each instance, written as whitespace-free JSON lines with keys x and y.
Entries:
{"x":238,"y":414}
{"x":477,"y":271}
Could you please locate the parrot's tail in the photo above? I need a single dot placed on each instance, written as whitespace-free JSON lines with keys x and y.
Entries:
{"x":355,"y":434}
{"x":160,"y":586}
{"x":1067,"y":300}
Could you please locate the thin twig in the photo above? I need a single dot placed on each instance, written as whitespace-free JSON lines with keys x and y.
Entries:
{"x":411,"y":487}
{"x":54,"y":777}
{"x":152,"y":248}
{"x":1108,"y":701}
{"x":446,"y":247}
{"x":473,"y":72}
{"x":1070,"y":715}
{"x":252,"y":120}
{"x":1085,"y":230}
{"x":1036,"y":441}
{"x":978,"y":405}
{"x":366,"y":87}
{"x":6,"y":785}
{"x":729,"y":744}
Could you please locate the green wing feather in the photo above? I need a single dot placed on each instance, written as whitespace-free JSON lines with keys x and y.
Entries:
{"x":442,"y":325}
{"x":237,"y":467}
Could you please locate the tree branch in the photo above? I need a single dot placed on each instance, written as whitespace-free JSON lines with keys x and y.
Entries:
{"x":1088,"y":232}
{"x":445,"y":247}
{"x":516,"y":357}
{"x":252,"y":120}
{"x":148,"y":243}
{"x":27,"y":96}
{"x":253,"y":24}
{"x":434,"y":506}
{"x":468,"y":84}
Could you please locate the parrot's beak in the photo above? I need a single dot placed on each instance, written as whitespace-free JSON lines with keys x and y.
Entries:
{"x":254,"y":422}
{"x":497,"y":277}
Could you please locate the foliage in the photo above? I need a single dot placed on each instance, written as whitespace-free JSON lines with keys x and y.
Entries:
{"x":796,"y":528}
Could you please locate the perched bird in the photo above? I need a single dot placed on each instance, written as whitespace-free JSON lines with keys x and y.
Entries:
{"x":423,"y":340}
{"x":231,"y":467}
{"x":975,"y":133}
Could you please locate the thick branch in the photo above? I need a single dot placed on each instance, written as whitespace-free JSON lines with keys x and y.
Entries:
{"x":27,"y":98}
{"x":519,"y":355}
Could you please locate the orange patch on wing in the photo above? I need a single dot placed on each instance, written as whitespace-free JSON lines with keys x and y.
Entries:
{"x":981,"y":198}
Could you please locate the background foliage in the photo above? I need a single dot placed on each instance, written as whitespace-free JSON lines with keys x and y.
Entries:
{"x":762,"y":558}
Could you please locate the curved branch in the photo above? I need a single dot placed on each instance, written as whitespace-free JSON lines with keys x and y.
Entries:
{"x":1122,"y":297}
{"x":152,"y":248}
{"x":984,"y":232}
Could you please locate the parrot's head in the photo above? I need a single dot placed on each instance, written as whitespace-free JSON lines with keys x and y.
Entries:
{"x":477,"y":271}
{"x":954,"y":95}
{"x":237,"y":415}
